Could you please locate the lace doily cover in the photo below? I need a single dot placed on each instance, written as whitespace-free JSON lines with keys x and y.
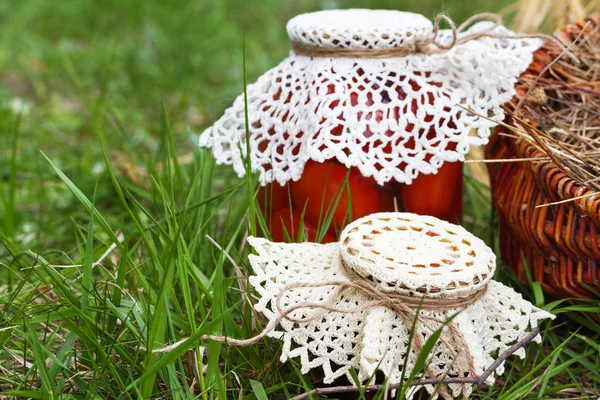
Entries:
{"x":377,"y":338}
{"x":392,"y":118}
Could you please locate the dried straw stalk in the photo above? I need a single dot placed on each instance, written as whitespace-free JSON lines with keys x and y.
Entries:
{"x":549,"y":15}
{"x":558,"y":106}
{"x":531,"y":16}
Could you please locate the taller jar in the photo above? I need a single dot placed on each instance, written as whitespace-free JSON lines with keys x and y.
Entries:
{"x":371,"y":111}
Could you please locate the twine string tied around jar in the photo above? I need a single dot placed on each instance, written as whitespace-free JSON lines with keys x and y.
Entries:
{"x":426,"y":46}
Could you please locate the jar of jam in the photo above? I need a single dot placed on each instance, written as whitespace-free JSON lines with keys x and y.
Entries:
{"x":373,"y":110}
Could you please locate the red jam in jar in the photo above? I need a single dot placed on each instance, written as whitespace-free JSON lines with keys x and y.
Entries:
{"x":328,"y":196}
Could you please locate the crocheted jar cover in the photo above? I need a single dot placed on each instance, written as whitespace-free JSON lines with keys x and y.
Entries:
{"x":413,"y":255}
{"x":393,"y":118}
{"x":377,"y":338}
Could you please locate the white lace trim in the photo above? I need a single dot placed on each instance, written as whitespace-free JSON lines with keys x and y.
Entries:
{"x":392,"y":118}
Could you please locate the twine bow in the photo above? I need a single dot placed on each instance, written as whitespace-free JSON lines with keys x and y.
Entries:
{"x":427,"y":46}
{"x":405,"y":306}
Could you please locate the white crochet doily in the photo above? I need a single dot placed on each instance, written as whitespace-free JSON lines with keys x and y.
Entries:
{"x":377,"y":338}
{"x":392,"y":118}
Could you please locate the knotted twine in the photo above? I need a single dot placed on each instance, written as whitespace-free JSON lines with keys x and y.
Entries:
{"x":403,"y":305}
{"x":425,"y":46}
{"x":407,"y":307}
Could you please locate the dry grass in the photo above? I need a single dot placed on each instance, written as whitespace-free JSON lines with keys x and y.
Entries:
{"x":559,"y":110}
{"x":549,"y":15}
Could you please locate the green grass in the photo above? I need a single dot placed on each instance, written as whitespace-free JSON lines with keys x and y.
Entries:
{"x":108,"y":208}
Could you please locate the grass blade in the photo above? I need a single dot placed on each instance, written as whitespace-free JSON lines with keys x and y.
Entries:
{"x":39,"y":359}
{"x":258,"y":389}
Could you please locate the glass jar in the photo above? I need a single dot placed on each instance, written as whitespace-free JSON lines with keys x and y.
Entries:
{"x":373,"y":110}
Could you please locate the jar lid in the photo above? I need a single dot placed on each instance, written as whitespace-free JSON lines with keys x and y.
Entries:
{"x":414,"y":254}
{"x":359,"y":28}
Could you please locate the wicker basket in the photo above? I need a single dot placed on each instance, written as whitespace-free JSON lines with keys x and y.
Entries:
{"x":560,"y":243}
